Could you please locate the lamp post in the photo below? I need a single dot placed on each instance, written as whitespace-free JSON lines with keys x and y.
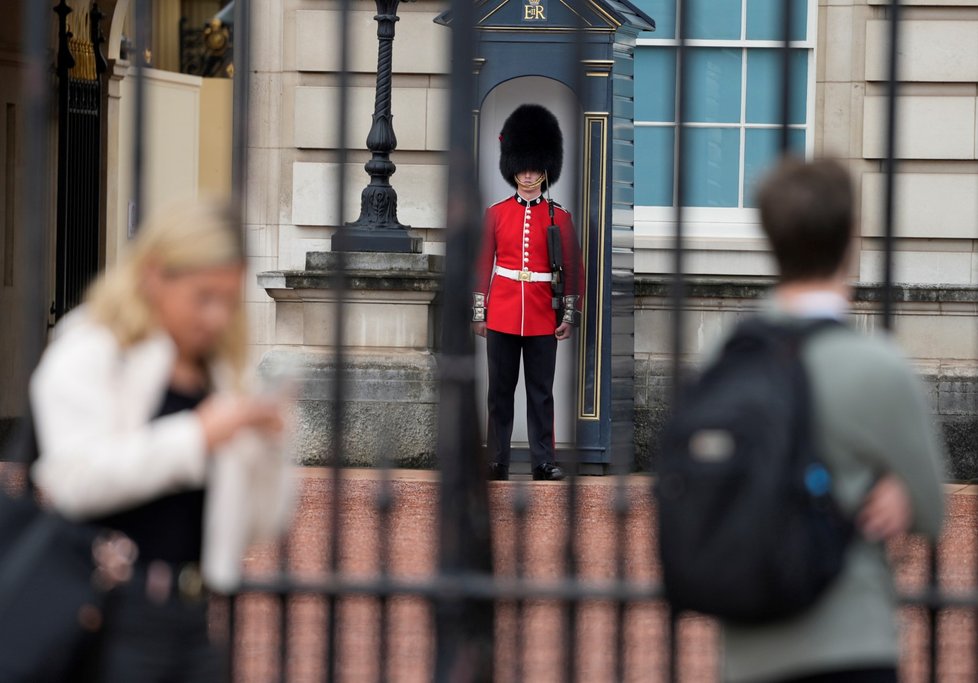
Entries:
{"x":377,"y":228}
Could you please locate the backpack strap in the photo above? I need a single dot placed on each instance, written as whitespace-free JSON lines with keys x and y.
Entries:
{"x":763,"y":329}
{"x":813,"y":326}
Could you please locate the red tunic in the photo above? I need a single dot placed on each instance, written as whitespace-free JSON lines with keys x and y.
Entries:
{"x":516,"y":238}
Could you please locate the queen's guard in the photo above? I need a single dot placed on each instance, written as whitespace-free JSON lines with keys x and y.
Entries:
{"x":528,"y":288}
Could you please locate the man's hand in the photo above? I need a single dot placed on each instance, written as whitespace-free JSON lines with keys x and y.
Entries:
{"x":479,"y":329}
{"x":887,"y":511}
{"x":564,"y":331}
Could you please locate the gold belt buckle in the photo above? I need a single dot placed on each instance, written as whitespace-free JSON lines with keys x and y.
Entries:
{"x":525,"y":275}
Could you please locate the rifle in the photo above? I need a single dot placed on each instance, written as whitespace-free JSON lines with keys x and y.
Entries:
{"x":555,"y":251}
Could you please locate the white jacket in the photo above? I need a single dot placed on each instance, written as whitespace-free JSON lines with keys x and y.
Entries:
{"x":101,"y":450}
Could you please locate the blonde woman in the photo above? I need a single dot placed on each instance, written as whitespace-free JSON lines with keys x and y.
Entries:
{"x":144,"y":426}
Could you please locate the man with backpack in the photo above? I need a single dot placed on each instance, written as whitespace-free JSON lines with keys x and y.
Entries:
{"x":798,"y":453}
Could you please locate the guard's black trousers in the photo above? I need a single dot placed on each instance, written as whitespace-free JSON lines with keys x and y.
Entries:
{"x":539,"y":362}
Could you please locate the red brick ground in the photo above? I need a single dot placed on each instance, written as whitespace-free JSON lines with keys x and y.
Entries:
{"x":412,"y":531}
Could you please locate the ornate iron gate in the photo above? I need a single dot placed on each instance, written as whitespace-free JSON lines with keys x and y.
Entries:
{"x":80,"y":68}
{"x":465,"y":596}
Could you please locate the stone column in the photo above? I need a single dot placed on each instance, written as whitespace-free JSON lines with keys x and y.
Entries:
{"x":116,"y":202}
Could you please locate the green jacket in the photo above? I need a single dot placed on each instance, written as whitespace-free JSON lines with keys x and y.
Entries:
{"x":870,"y":419}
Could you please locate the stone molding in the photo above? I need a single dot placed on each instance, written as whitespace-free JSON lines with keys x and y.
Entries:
{"x":362,"y":272}
{"x":656,"y":286}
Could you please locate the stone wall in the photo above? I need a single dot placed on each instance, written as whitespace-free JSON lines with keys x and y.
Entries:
{"x":389,"y":355}
{"x":385,"y":355}
{"x":946,"y":368}
{"x":390,"y":407}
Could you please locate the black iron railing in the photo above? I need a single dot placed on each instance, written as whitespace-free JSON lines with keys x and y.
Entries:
{"x":80,"y":69}
{"x":464,"y":595}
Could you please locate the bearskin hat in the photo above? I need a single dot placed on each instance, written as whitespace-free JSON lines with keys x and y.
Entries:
{"x":531,"y":141}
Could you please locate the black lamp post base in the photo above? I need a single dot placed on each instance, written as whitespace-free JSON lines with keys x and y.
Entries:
{"x":392,"y":240}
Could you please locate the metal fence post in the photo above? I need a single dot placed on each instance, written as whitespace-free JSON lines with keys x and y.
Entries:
{"x":140,"y":20}
{"x":36,"y":86}
{"x":678,"y":293}
{"x":339,"y":286}
{"x":464,"y":624}
{"x":890,"y":163}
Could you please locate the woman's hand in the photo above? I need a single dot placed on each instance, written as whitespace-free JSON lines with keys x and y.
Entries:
{"x":223,"y":416}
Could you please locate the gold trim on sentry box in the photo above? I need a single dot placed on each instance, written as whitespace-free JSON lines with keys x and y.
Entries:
{"x":475,"y":139}
{"x":590,"y":120}
{"x":551,"y":29}
{"x":613,"y":26}
{"x":493,"y":11}
{"x":601,"y":11}
{"x":581,"y":16}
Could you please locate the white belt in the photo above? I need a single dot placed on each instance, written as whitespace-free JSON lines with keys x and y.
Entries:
{"x":524,"y":275}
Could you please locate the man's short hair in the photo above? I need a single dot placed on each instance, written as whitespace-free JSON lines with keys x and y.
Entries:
{"x":807,"y":215}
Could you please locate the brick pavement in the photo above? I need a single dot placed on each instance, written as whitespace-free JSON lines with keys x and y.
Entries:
{"x":413,"y":554}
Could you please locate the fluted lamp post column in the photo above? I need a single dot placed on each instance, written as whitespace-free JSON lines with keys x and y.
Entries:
{"x":377,"y":228}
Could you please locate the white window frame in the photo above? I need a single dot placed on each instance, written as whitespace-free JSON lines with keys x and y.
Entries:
{"x":727,"y":227}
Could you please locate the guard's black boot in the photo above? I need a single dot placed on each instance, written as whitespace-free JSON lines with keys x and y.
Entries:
{"x":547,"y":472}
{"x":498,"y":472}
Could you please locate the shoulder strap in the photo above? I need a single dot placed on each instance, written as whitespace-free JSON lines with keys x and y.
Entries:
{"x":759,"y":326}
{"x":759,"y":331}
{"x":811,"y":328}
{"x":556,"y":205}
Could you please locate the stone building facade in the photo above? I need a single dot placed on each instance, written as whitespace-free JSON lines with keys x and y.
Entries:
{"x":294,"y":157}
{"x":291,"y":213}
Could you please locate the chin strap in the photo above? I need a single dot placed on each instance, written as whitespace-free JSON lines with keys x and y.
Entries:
{"x":530,"y":186}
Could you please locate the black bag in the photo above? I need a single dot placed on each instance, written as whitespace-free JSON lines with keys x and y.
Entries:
{"x":748,"y":528}
{"x":56,"y":579}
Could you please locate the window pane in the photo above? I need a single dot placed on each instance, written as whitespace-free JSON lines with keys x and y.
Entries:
{"x":655,"y":84}
{"x":716,"y":19}
{"x":765,"y":19}
{"x":712,"y":160}
{"x":764,"y":86}
{"x":762,"y":148}
{"x":713,"y":83}
{"x":654,"y":152}
{"x":664,"y":13}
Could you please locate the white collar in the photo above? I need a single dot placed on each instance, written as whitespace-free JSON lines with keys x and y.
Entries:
{"x":819,"y":303}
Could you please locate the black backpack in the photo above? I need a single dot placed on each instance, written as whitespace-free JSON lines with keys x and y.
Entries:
{"x":748,"y":528}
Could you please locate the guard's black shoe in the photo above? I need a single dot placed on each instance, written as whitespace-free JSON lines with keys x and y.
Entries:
{"x":498,"y":472}
{"x":547,"y":472}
